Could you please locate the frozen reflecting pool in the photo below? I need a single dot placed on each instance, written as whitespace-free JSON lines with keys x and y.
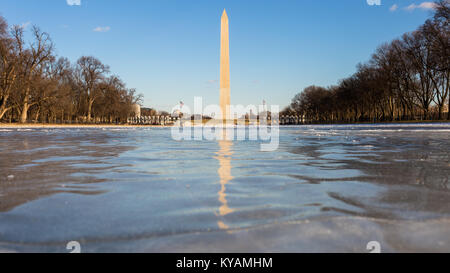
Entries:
{"x":326,"y":189}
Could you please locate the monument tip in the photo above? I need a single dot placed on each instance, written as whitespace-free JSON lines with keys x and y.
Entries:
{"x":224,"y":14}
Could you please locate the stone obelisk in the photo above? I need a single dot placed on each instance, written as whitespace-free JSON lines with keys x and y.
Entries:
{"x":224,"y":67}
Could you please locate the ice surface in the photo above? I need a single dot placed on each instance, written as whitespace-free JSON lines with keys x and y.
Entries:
{"x":326,"y":189}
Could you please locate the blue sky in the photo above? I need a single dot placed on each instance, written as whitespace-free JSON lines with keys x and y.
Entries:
{"x":169,"y":50}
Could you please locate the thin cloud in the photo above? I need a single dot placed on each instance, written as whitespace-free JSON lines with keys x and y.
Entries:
{"x":102,"y":29}
{"x":374,"y":2}
{"x":423,"y":5}
{"x":73,"y":2}
{"x":25,"y":25}
{"x":393,"y":8}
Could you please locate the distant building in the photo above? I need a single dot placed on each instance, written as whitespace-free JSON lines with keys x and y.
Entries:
{"x":136,"y":109}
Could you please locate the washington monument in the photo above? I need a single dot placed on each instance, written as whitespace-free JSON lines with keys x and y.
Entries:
{"x":224,"y":67}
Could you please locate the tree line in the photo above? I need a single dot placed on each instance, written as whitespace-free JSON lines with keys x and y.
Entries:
{"x":406,"y":79}
{"x":38,"y":86}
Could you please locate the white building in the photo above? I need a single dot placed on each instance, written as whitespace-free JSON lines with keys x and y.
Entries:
{"x":136,"y":109}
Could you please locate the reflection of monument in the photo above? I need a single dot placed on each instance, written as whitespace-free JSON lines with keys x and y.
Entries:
{"x":224,"y":157}
{"x":224,"y":67}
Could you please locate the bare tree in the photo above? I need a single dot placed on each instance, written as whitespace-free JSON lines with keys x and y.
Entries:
{"x":33,"y":83}
{"x":418,"y":51}
{"x":90,"y":72}
{"x":32,"y":63}
{"x":406,"y":78}
{"x":8,"y":67}
{"x":437,"y":42}
{"x":440,"y":27}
